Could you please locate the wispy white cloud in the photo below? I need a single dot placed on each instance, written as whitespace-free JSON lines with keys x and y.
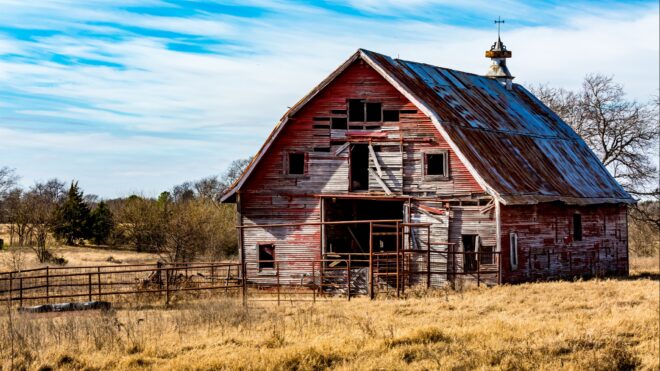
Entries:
{"x":98,"y":93}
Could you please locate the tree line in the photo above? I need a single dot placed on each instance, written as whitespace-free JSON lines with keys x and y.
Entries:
{"x":181,"y":224}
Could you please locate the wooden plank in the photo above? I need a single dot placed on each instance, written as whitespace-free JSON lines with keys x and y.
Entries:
{"x":375,"y":159}
{"x":342,"y":148}
{"x":380,"y":181}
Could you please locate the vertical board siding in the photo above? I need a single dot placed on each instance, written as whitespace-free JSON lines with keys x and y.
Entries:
{"x":545,"y":246}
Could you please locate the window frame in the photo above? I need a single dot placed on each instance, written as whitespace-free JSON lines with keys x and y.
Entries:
{"x":513,"y":251}
{"x":425,"y":169}
{"x":287,"y":164}
{"x":490,"y":254}
{"x":365,"y":103}
{"x":260,"y":268}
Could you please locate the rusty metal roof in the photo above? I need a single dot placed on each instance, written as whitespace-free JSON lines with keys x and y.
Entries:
{"x":517,"y":148}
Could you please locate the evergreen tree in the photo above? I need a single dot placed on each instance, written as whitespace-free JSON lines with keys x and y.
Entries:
{"x":71,"y":222}
{"x":101,"y":223}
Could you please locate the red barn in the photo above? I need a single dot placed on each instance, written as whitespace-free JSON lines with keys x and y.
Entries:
{"x":422,"y":174}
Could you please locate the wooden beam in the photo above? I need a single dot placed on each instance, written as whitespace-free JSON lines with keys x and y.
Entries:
{"x":380,"y":181}
{"x":373,"y":156}
{"x":342,"y":148}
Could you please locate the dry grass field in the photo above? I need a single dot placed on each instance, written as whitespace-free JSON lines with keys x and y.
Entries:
{"x":595,"y":324}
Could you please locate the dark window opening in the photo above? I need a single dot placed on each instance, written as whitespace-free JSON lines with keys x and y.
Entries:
{"x":436,"y":164}
{"x":296,"y":163}
{"x":266,"y":256}
{"x":486,"y":255}
{"x":372,"y":127}
{"x":390,"y":115}
{"x":321,"y":119}
{"x":577,"y":227}
{"x":469,"y":252}
{"x":339,"y":123}
{"x":374,"y":112}
{"x":359,"y":175}
{"x":338,"y":111}
{"x":320,"y":126}
{"x":408,"y":111}
{"x":355,"y":110}
{"x":321,"y":149}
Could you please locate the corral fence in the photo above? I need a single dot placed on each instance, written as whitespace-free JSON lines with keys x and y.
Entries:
{"x":413,"y":260}
{"x":118,"y":282}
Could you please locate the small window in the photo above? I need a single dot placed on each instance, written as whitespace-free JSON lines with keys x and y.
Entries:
{"x":513,"y":250}
{"x":486,"y":255}
{"x":296,"y":163}
{"x":374,"y":112}
{"x":356,"y":110}
{"x":436,"y":164}
{"x":577,"y":227}
{"x":266,"y":256}
{"x":339,"y":123}
{"x":390,"y":115}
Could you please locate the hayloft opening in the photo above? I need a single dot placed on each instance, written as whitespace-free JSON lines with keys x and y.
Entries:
{"x":356,"y":110}
{"x":374,"y":112}
{"x":359,"y":166}
{"x":436,"y":163}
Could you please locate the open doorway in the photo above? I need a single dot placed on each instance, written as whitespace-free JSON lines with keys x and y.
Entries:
{"x":354,"y":238}
{"x":359,"y":162}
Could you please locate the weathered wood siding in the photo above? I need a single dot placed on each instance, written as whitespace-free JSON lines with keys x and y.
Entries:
{"x":546,"y":248}
{"x":271,"y":196}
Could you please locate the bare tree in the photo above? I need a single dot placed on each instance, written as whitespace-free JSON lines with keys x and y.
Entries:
{"x":623,"y":133}
{"x":8,"y":180}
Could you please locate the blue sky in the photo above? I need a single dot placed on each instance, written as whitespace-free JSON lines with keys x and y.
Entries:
{"x":137,"y":96}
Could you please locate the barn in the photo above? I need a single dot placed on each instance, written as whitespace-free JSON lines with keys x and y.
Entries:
{"x":392,"y":173}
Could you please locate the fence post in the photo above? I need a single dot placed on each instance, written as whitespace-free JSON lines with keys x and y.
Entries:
{"x":227,"y":278}
{"x":398,"y":270}
{"x":371,"y":261}
{"x":167,"y":286}
{"x":277,"y":274}
{"x":244,"y":292}
{"x":47,"y":285}
{"x":89,"y":286}
{"x":477,"y":254}
{"x":11,"y":287}
{"x":313,"y":283}
{"x":20,"y":291}
{"x":428,"y":260}
{"x":348,"y":277}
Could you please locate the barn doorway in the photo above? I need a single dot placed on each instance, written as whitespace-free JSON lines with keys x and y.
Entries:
{"x":354,"y":237}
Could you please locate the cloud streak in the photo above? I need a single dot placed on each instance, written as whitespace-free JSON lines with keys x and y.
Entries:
{"x":175,"y":91}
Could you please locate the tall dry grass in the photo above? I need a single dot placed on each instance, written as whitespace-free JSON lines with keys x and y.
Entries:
{"x":597,"y":324}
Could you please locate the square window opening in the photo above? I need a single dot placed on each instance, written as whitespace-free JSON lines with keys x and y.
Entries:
{"x":436,"y":164}
{"x":356,"y":110}
{"x":296,"y":163}
{"x":266,"y":256}
{"x":339,"y":123}
{"x":374,"y":112}
{"x":390,"y":115}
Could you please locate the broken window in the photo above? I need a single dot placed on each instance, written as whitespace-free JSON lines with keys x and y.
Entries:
{"x":296,"y":163}
{"x":266,"y":253}
{"x":486,"y":255}
{"x":356,"y":110}
{"x":513,"y":250}
{"x":359,"y":163}
{"x":436,"y":164}
{"x":390,"y":115}
{"x":374,"y":112}
{"x":339,"y":123}
{"x":577,"y":227}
